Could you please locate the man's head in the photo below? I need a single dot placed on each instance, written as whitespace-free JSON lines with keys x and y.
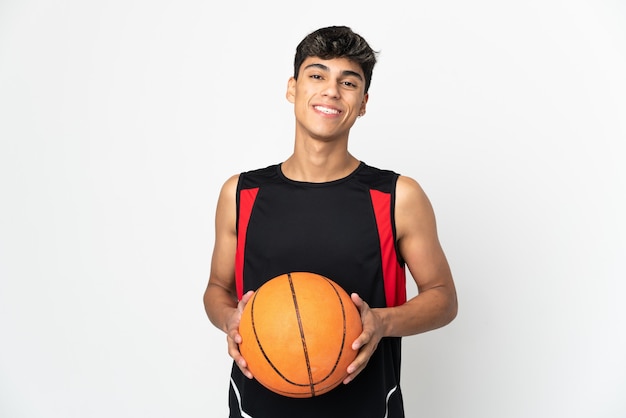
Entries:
{"x":337,"y":42}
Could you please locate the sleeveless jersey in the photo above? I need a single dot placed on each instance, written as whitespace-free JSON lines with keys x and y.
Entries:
{"x":343,"y":230}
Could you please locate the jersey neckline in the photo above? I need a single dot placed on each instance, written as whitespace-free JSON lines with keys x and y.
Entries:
{"x":321,"y":184}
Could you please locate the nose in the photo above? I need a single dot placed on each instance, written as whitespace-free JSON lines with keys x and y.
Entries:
{"x":331,"y":89}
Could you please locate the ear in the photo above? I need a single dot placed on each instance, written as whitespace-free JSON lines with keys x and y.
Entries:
{"x":364,"y":104}
{"x":291,"y":90}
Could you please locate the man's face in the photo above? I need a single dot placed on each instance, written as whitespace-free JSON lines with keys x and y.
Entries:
{"x":328,"y":97}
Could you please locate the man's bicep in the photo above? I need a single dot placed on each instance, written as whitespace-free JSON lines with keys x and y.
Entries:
{"x":418,"y":241}
{"x":224,"y":249}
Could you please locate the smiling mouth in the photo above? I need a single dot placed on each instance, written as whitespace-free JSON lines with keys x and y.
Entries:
{"x":327,"y":110}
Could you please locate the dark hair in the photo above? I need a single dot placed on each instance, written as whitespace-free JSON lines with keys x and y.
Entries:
{"x":337,"y":42}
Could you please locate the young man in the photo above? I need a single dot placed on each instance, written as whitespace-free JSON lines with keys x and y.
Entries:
{"x":324,"y":211}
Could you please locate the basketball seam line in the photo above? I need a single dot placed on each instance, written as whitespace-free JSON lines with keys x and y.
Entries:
{"x":304,"y":348}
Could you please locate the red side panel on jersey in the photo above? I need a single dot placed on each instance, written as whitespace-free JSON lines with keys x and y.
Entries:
{"x":246,"y":202}
{"x":393,"y":273}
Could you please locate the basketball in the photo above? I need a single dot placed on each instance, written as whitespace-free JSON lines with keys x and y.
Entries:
{"x":297,"y":333}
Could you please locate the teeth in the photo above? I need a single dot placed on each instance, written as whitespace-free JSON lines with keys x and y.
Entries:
{"x":327,"y":110}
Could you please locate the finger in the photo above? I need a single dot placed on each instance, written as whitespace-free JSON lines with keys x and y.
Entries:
{"x":361,"y":305}
{"x":354,"y":369}
{"x":233,"y":351}
{"x":357,"y":300}
{"x":245,"y":299}
{"x":361,"y":340}
{"x":233,"y":323}
{"x":233,"y":335}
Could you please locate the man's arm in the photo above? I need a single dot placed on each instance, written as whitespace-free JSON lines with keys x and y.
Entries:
{"x":418,"y":241}
{"x":220,"y":296}
{"x":435,"y":304}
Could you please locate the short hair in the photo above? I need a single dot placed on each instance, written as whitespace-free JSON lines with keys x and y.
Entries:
{"x":337,"y":42}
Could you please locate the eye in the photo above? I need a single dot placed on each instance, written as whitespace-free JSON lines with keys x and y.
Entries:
{"x":350,"y":84}
{"x":316,"y":76}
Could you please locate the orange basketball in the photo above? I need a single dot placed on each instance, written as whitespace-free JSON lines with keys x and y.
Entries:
{"x":297,"y":333}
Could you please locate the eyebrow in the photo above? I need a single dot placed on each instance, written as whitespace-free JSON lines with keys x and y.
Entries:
{"x":343,"y":73}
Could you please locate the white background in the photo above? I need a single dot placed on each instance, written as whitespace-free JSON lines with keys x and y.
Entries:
{"x":120,"y":120}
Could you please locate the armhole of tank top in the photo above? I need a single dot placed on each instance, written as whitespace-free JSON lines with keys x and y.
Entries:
{"x":237,"y":201}
{"x":394,"y":182}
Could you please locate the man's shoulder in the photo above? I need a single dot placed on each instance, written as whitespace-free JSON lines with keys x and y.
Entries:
{"x":262,"y":170}
{"x":377,"y":178}
{"x":258,"y":176}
